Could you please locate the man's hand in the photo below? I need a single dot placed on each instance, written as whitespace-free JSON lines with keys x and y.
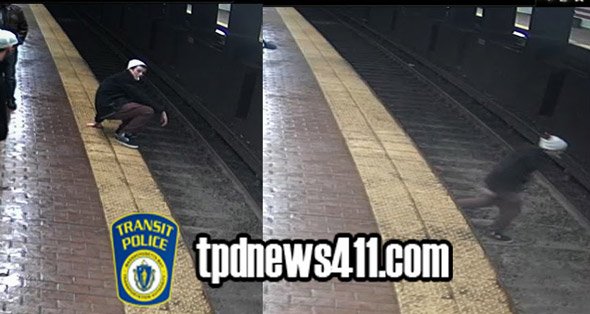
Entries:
{"x":164,"y":119}
{"x":94,"y":125}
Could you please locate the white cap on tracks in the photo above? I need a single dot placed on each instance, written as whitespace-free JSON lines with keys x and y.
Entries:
{"x":552,"y":143}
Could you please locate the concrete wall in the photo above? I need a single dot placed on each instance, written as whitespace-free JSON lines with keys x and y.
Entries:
{"x":584,"y":23}
{"x":526,"y":10}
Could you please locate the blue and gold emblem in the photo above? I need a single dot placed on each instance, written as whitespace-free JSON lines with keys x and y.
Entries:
{"x":144,"y":249}
{"x":144,"y":276}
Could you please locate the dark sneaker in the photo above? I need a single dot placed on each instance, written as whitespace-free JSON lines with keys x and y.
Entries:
{"x":500,"y":237}
{"x":125,"y":140}
{"x":11,"y":105}
{"x":127,"y":134}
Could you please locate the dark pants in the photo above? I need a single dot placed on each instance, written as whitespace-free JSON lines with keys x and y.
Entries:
{"x":4,"y":121}
{"x":4,"y":114}
{"x":10,"y":74}
{"x":508,"y":203}
{"x":134,"y":116}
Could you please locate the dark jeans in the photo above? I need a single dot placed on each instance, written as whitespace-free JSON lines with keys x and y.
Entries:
{"x":134,"y":117}
{"x":10,"y":74}
{"x":509,"y":204}
{"x":4,"y":121}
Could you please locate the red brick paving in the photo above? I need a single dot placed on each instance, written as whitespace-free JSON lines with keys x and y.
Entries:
{"x":311,"y":186}
{"x":53,"y":234}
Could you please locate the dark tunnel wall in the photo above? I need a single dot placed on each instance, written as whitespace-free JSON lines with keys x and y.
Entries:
{"x":218,"y":77}
{"x":542,"y":80}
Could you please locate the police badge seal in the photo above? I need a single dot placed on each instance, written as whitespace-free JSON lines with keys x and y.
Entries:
{"x":144,"y":249}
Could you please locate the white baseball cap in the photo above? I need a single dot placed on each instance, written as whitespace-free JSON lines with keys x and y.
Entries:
{"x":7,"y":39}
{"x":134,"y":62}
{"x":552,"y":143}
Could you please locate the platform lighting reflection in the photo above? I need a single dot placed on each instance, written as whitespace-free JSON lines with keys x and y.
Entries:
{"x":223,"y":31}
{"x":519,"y":34}
{"x":220,"y":32}
{"x":479,"y":12}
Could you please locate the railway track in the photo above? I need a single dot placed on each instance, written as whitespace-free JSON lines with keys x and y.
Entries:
{"x":109,"y":58}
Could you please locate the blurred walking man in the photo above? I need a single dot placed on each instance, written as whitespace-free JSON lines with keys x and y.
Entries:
{"x":7,"y":42}
{"x":12,"y":19}
{"x":506,"y":182}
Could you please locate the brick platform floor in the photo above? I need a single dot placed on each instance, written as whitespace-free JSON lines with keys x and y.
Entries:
{"x":311,"y":186}
{"x":54,"y":238}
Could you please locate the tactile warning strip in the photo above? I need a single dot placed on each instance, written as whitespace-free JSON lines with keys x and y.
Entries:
{"x":407,"y":199}
{"x":123,"y":179}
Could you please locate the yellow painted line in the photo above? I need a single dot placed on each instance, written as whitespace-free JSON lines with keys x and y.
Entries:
{"x":122,"y":177}
{"x":407,"y":199}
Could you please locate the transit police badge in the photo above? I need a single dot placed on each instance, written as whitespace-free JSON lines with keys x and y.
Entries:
{"x":144,"y":249}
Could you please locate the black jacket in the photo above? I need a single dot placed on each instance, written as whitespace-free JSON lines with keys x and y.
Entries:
{"x":119,"y":89}
{"x":511,"y":174}
{"x":14,"y":20}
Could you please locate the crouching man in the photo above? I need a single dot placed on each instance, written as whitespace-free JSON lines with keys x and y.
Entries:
{"x":124,"y":96}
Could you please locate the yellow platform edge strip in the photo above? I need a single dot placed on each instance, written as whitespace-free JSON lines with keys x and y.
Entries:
{"x":123,"y":179}
{"x":407,"y":199}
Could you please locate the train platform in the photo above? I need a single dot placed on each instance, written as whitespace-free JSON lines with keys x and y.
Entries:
{"x":64,"y":183}
{"x":356,"y":140}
